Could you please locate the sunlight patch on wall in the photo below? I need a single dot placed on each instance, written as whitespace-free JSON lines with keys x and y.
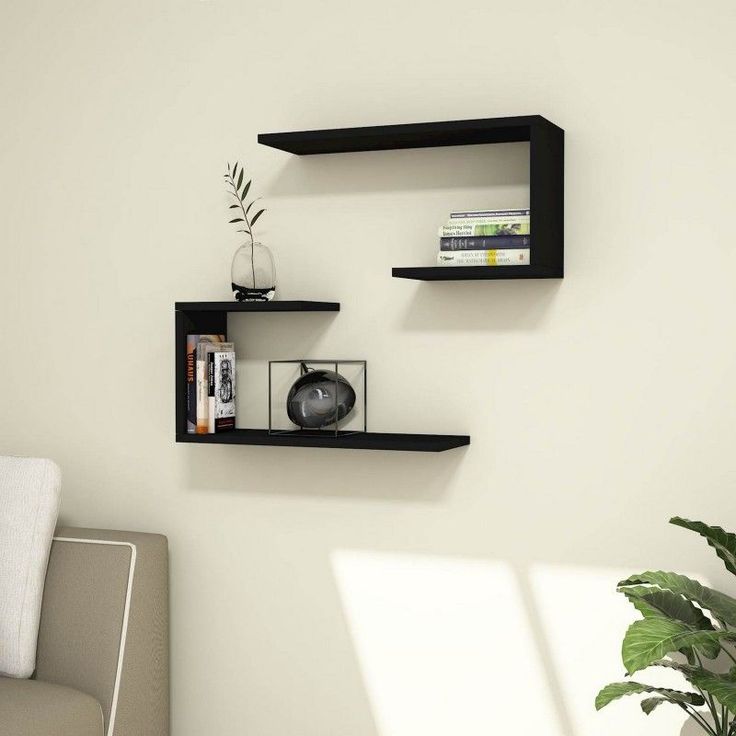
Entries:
{"x":444,"y":645}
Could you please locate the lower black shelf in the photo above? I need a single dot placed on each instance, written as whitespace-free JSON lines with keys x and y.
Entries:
{"x":466,"y":273}
{"x":358,"y":441}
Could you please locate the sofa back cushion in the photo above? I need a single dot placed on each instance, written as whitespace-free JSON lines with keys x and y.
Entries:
{"x":30,"y":490}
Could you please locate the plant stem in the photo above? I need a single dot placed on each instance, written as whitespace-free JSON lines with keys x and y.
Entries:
{"x":250,"y":229}
{"x":698,"y":719}
{"x":724,"y":719}
{"x":718,"y":724}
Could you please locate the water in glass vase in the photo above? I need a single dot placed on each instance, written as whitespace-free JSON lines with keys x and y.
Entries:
{"x":253,"y":273}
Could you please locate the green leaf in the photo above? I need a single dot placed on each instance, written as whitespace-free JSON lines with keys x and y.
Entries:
{"x":240,"y":178}
{"x":617,"y":690}
{"x":256,"y":216}
{"x":722,"y":606}
{"x":721,"y":687}
{"x":653,"y":601}
{"x":248,"y":208}
{"x":245,"y":190}
{"x":723,"y":542}
{"x":650,"y":639}
{"x":237,"y":219}
{"x":685,"y":669}
{"x":657,"y":602}
{"x":649,"y":704}
{"x":235,"y":170}
{"x":234,"y":207}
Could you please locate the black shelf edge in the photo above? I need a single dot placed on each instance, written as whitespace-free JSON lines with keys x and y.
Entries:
{"x":476,"y":273}
{"x":274,"y":306}
{"x":358,"y":441}
{"x":407,"y":135}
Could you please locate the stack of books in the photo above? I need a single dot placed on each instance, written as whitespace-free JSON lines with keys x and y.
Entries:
{"x":485,"y":238}
{"x":210,"y":377}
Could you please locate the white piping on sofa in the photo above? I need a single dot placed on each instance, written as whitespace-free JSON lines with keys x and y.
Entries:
{"x":126,"y":616}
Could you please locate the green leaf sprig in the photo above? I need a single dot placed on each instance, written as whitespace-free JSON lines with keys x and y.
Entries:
{"x":234,"y":178}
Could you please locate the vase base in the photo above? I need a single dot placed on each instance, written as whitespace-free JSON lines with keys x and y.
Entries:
{"x":249,"y":294}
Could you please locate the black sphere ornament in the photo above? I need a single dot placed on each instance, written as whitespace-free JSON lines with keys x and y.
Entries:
{"x":319,"y":398}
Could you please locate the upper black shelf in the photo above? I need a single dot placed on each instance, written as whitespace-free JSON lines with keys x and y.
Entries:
{"x":411,"y":135}
{"x":274,"y":306}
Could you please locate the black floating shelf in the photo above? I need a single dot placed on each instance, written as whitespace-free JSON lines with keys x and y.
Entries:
{"x":409,"y":135}
{"x":546,"y":178}
{"x":275,"y":306}
{"x":474,"y":273}
{"x":358,"y":441}
{"x":212,"y":318}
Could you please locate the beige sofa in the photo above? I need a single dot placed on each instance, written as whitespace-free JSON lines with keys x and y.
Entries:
{"x":102,"y":660}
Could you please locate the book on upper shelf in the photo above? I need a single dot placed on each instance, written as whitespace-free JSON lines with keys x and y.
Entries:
{"x":488,"y":223}
{"x":489,"y":214}
{"x":486,"y":243}
{"x":192,"y":376}
{"x":500,"y":257}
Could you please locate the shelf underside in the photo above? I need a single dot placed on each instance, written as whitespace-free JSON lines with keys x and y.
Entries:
{"x":358,"y":441}
{"x":274,"y":306}
{"x":468,"y":273}
{"x":412,"y":135}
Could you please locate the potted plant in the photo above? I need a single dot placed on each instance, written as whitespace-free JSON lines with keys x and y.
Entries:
{"x":685,"y":626}
{"x":253,"y":275}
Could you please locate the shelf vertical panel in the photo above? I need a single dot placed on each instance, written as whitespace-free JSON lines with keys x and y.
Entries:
{"x":191,"y":323}
{"x":547,"y":195}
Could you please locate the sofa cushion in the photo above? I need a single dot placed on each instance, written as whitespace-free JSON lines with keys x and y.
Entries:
{"x":31,"y":708}
{"x":29,"y":505}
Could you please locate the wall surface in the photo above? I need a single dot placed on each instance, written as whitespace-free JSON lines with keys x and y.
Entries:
{"x":353,"y":593}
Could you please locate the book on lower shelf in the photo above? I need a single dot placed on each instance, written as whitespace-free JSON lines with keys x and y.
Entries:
{"x":486,"y":238}
{"x":500,"y":257}
{"x":210,"y":392}
{"x":220,"y":387}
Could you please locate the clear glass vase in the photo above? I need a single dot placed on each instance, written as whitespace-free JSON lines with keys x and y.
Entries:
{"x":253,"y":274}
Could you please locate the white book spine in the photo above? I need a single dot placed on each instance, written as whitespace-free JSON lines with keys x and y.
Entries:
{"x":202,"y":402}
{"x":486,"y":214}
{"x":501,"y":257}
{"x":224,"y":406}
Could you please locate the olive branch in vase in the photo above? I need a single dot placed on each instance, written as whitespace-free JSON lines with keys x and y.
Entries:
{"x":234,"y":179}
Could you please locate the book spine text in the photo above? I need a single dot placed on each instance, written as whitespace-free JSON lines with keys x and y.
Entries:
{"x":503,"y":257}
{"x":492,"y":243}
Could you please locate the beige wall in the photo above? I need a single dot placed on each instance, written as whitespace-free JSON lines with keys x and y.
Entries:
{"x":352,"y":593}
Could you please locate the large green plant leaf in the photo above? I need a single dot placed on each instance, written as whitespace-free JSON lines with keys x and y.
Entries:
{"x":723,"y":542}
{"x":721,"y":687}
{"x":650,"y":639}
{"x":617,"y":690}
{"x":653,"y":601}
{"x":657,"y":602}
{"x":722,"y":606}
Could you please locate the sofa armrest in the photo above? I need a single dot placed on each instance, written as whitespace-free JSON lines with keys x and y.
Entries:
{"x":104,"y":625}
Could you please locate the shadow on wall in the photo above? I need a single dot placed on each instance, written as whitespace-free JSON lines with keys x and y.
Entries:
{"x":301,"y":472}
{"x":477,"y":647}
{"x":500,"y":306}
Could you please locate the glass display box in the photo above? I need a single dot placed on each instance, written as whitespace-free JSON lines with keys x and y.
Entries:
{"x":317,"y":396}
